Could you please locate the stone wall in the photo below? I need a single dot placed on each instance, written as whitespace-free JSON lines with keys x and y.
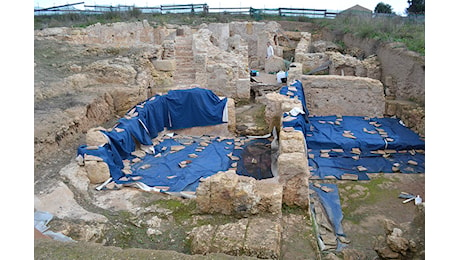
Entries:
{"x":256,"y":237}
{"x":315,"y":54}
{"x":275,"y":105}
{"x":346,"y":65}
{"x":225,"y":129}
{"x":257,"y":34}
{"x":406,"y":68}
{"x":220,"y":34}
{"x":224,"y":72}
{"x":231,"y":194}
{"x":303,"y":49}
{"x":411,"y":113}
{"x":120,"y":34}
{"x":344,"y":95}
{"x":293,"y":169}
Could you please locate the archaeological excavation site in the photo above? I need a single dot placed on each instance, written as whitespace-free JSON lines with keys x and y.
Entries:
{"x":239,"y":140}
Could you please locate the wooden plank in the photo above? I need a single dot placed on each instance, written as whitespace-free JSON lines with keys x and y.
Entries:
{"x":304,"y":9}
{"x":58,"y":6}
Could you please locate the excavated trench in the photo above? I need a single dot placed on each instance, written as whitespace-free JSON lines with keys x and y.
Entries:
{"x":77,"y":114}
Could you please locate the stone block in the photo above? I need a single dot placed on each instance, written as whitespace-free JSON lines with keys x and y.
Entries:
{"x":263,"y":238}
{"x":231,"y":115}
{"x":292,"y":164}
{"x":273,"y":110}
{"x":231,"y":194}
{"x":295,"y":71}
{"x":274,"y":64}
{"x":203,"y":196}
{"x":344,"y":95}
{"x":304,"y":44}
{"x":97,"y":172}
{"x":164,"y":65}
{"x":288,"y":105}
{"x":258,"y":237}
{"x":220,"y":34}
{"x":243,"y":88}
{"x":296,"y":191}
{"x":291,"y":142}
{"x":391,"y":108}
{"x":271,"y":197}
{"x":229,"y":238}
{"x":244,"y":198}
{"x":94,"y":137}
{"x":293,"y":174}
{"x":222,"y":191}
{"x":201,"y":238}
{"x":311,"y":61}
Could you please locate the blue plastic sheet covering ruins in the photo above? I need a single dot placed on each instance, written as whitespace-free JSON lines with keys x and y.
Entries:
{"x":352,"y":145}
{"x":330,"y":203}
{"x":176,"y":170}
{"x":339,"y":145}
{"x":295,"y":90}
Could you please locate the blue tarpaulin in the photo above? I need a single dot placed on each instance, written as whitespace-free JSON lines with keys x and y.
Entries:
{"x":374,"y":137}
{"x":194,"y":107}
{"x":330,"y":201}
{"x":298,"y":92}
{"x":165,"y":170}
{"x":178,"y":109}
{"x":323,"y":133}
{"x":154,"y":114}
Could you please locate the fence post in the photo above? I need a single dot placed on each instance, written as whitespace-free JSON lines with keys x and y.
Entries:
{"x":280,"y":12}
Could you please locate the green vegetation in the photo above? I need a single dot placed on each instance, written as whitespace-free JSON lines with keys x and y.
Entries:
{"x":370,"y":193}
{"x":409,"y":31}
{"x":383,"y":8}
{"x":286,"y":209}
{"x":182,"y":210}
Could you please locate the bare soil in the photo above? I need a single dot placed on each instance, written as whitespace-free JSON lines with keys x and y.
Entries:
{"x":366,"y":203}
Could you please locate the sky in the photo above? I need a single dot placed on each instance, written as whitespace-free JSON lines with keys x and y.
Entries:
{"x":335,"y":5}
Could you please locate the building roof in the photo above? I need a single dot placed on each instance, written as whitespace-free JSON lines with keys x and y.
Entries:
{"x":357,"y":8}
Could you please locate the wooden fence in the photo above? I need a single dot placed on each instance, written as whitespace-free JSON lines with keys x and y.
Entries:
{"x":188,"y":9}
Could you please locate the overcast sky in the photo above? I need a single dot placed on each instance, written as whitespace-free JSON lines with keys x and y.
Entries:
{"x":336,"y":5}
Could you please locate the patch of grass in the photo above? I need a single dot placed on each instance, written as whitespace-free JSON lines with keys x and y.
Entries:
{"x":182,"y":210}
{"x":387,"y":29}
{"x":242,"y":102}
{"x":260,"y":117}
{"x":286,"y":209}
{"x":124,"y":233}
{"x":375,"y":193}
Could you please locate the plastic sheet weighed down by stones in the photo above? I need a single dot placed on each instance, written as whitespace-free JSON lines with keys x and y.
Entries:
{"x":339,"y":145}
{"x":182,"y":170}
{"x":355,"y":145}
{"x":325,"y":200}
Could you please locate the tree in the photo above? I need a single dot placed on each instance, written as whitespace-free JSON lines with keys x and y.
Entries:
{"x":383,"y":8}
{"x":416,"y":7}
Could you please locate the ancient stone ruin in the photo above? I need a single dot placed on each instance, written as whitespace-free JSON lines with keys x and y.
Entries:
{"x":117,"y":69}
